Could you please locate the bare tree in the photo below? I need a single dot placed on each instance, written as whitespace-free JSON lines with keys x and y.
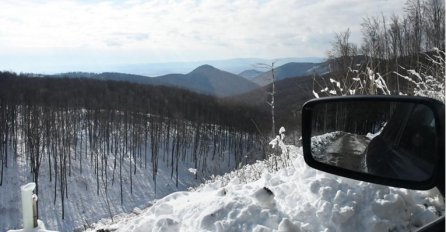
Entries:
{"x":434,"y":25}
{"x":415,"y":17}
{"x":342,"y":53}
{"x":272,"y":94}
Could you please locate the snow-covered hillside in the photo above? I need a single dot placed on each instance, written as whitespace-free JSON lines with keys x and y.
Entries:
{"x":294,"y":198}
{"x":83,"y":205}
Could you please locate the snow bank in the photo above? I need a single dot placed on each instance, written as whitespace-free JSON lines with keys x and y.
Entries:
{"x":320,"y":143}
{"x":295,"y":198}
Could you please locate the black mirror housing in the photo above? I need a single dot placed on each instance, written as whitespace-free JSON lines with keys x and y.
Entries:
{"x":360,"y":114}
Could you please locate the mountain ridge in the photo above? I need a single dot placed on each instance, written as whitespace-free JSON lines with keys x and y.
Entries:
{"x":288,"y":70}
{"x":207,"y":79}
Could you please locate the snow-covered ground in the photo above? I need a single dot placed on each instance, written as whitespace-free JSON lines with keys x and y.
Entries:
{"x":40,"y":228}
{"x":293,"y":198}
{"x":83,"y":206}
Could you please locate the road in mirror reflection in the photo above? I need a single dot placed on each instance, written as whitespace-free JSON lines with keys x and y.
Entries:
{"x":389,"y":139}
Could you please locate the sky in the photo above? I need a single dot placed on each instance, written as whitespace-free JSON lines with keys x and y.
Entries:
{"x":52,"y":35}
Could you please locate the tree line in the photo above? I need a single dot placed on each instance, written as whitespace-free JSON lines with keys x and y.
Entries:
{"x":124,"y":96}
{"x":390,"y":46}
{"x":352,"y":117}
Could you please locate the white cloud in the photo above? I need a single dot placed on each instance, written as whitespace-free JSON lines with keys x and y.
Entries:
{"x":185,"y":30}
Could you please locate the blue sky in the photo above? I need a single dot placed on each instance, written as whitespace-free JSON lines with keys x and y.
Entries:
{"x":50,"y":36}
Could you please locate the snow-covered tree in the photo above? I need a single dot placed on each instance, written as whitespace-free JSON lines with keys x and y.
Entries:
{"x":429,"y":80}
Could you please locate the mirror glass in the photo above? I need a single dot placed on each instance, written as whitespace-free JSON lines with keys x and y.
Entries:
{"x":389,"y":139}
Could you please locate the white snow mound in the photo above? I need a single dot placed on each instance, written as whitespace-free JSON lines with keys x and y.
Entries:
{"x":295,"y":198}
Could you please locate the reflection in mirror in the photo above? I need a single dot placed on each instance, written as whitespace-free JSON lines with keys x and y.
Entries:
{"x":389,"y":139}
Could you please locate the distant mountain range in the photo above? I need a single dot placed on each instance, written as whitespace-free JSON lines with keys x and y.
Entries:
{"x":250,"y":74}
{"x":204,"y":79}
{"x":234,"y":66}
{"x":207,"y":79}
{"x":288,"y":70}
{"x":111,"y":76}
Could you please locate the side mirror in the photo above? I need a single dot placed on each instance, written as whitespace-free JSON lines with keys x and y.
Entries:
{"x":395,"y":141}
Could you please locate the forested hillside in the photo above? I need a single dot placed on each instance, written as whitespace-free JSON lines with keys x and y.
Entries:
{"x":291,"y":93}
{"x":106,"y":133}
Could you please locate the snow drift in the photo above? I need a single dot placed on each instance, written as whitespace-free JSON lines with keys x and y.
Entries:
{"x":294,"y":198}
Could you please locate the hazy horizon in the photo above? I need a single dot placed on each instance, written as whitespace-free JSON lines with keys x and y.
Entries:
{"x":61,"y":36}
{"x":235,"y":66}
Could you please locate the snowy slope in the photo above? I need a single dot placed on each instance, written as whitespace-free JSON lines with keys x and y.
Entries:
{"x":83,"y":205}
{"x":294,"y":198}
